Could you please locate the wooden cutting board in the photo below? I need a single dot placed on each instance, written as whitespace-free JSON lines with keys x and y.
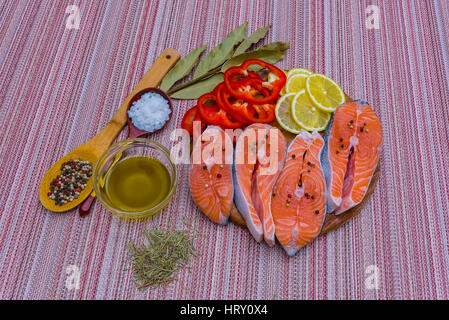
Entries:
{"x":332,"y":221}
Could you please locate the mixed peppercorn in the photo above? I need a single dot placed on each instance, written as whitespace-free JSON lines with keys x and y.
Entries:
{"x":73,"y":179}
{"x":243,"y":98}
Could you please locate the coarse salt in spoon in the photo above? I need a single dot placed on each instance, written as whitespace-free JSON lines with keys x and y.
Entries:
{"x":135,"y":132}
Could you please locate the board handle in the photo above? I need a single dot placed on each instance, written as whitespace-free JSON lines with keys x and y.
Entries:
{"x":152,"y":78}
{"x":158,"y":70}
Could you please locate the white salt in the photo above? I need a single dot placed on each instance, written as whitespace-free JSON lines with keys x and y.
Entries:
{"x":150,"y":112}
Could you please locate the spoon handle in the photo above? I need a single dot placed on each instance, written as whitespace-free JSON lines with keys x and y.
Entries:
{"x":86,"y":205}
{"x":152,"y":78}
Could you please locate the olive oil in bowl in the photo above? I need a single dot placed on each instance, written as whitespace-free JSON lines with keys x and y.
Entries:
{"x":137,"y":184}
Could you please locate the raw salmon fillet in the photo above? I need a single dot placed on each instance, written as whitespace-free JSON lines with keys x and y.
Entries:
{"x":350,"y":158}
{"x":210,"y":180}
{"x":255,"y":173}
{"x":298,"y":200}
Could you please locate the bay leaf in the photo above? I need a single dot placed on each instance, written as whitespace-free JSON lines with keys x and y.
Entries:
{"x":279,"y":45}
{"x":198,"y":89}
{"x":252,"y":39}
{"x":221,"y":52}
{"x":182,"y":68}
{"x":270,"y":56}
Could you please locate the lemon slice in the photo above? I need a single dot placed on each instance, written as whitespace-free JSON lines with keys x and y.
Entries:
{"x":306,"y":115}
{"x":283,"y":113}
{"x":324,"y":92}
{"x":297,"y":71}
{"x":296,"y":82}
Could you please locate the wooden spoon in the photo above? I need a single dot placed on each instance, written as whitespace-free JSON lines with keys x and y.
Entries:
{"x":93,"y":148}
{"x":133,"y":132}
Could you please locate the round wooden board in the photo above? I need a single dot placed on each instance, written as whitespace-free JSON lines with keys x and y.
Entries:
{"x":331,"y":221}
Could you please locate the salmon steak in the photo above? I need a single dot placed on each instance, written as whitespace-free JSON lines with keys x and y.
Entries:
{"x":259,"y":157}
{"x":298,"y":200}
{"x":353,"y":144}
{"x":210,"y":177}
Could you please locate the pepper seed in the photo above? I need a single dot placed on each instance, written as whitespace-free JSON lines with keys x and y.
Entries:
{"x":70,"y":182}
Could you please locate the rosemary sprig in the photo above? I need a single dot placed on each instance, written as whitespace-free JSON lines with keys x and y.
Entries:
{"x":167,"y":251}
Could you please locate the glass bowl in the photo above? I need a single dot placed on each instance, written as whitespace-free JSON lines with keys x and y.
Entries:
{"x":126,"y":149}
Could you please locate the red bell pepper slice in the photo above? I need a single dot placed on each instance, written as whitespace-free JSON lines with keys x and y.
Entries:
{"x":214,"y":114}
{"x":192,"y":115}
{"x":246,"y":112}
{"x":253,"y":87}
{"x":274,"y":87}
{"x":223,"y":100}
{"x":263,"y":113}
{"x":236,"y":75}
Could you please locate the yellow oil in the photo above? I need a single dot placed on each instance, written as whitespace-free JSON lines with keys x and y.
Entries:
{"x":137,"y":184}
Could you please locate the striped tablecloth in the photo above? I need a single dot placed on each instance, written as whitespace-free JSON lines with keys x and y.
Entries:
{"x":59,"y":87}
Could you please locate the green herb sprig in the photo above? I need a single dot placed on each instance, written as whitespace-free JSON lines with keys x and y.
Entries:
{"x":167,"y":251}
{"x":230,"y":52}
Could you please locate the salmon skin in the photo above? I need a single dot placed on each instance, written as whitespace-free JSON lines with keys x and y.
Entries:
{"x":353,"y":144}
{"x":210,"y":179}
{"x":258,"y":159}
{"x":298,"y":201}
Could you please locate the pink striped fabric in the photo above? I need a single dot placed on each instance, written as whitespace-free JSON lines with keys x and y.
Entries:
{"x":59,"y":87}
